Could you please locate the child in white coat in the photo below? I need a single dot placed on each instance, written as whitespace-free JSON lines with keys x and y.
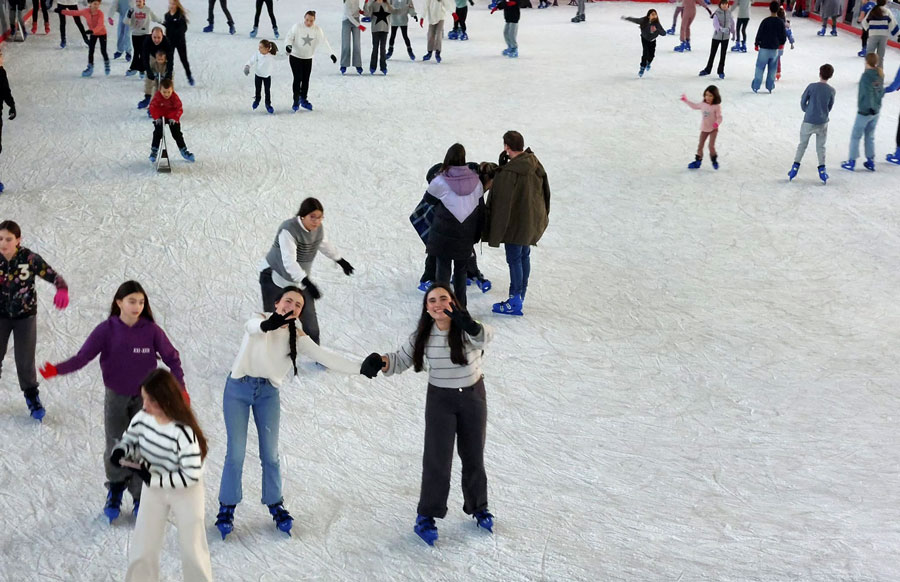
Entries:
{"x":263,"y":60}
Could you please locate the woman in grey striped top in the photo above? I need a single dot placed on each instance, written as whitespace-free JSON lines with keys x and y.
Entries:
{"x":455,"y":407}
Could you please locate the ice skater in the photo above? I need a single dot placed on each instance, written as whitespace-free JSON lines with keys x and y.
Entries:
{"x":579,"y":13}
{"x":271,"y":10}
{"x":401,"y":12}
{"x":263,"y":60}
{"x":38,"y":8}
{"x":123,"y":30}
{"x":790,"y":38}
{"x":165,"y":445}
{"x":17,"y":20}
{"x":379,"y":11}
{"x":650,"y":29}
{"x":687,"y":18}
{"x":289,"y":261}
{"x":881,"y":26}
{"x":140,"y":19}
{"x":459,"y":21}
{"x":5,"y":97}
{"x":60,"y":8}
{"x":743,"y":18}
{"x":350,"y":29}
{"x":711,"y":109}
{"x":18,"y":307}
{"x":863,"y":12}
{"x":165,"y":109}
{"x":95,"y":21}
{"x":450,"y":344}
{"x":128,"y":343}
{"x":893,"y":158}
{"x":816,"y":103}
{"x":434,"y":13}
{"x":160,"y":69}
{"x":770,"y":35}
{"x":176,"y":23}
{"x":266,"y":360}
{"x":830,"y":9}
{"x":301,"y":43}
{"x":511,"y":15}
{"x":868,"y":106}
{"x":210,"y":18}
{"x":723,"y":29}
{"x":679,"y":8}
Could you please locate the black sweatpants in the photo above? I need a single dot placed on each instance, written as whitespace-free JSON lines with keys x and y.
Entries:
{"x":92,"y":43}
{"x":460,"y":415}
{"x":722,"y":45}
{"x":179,"y":45}
{"x":649,"y":51}
{"x":224,"y":4}
{"x":260,"y":83}
{"x":62,"y":22}
{"x":309,"y":321}
{"x":461,"y":14}
{"x":301,"y":68}
{"x":460,"y":269}
{"x":24,"y":332}
{"x":139,"y":57}
{"x":394,"y":35}
{"x":741,"y":30}
{"x":175,"y":130}
{"x":259,"y":4}
{"x":379,"y":40}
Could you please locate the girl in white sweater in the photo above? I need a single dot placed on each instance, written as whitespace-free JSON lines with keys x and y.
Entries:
{"x":301,"y":43}
{"x":166,"y":448}
{"x":268,"y":353}
{"x":455,"y":407}
{"x":263,"y":60}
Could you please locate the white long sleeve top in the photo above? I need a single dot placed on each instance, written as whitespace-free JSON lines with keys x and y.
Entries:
{"x":441,"y":371}
{"x":298,"y":266}
{"x":169,"y":451}
{"x":304,"y":40}
{"x":434,"y":11}
{"x":265,"y":354}
{"x":264,"y":63}
{"x":351,"y":11}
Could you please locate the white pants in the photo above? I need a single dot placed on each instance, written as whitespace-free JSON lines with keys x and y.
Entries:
{"x":187,"y":505}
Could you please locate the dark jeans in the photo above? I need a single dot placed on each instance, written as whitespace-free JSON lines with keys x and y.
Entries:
{"x":179,"y":45}
{"x":301,"y":68}
{"x":92,"y":43}
{"x":62,"y":22}
{"x":379,"y":40}
{"x":24,"y":332}
{"x":649,"y":51}
{"x":308,"y":319}
{"x":224,"y":4}
{"x":137,"y":61}
{"x":460,"y":269}
{"x":259,"y":4}
{"x":722,"y":46}
{"x":460,"y":415}
{"x":394,"y":35}
{"x":175,"y":129}
{"x":518,"y":257}
{"x":740,"y":34}
{"x":461,"y":14}
{"x":260,"y":82}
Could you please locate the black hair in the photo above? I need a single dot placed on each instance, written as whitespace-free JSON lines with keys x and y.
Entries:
{"x":423,"y":331}
{"x":12,"y":227}
{"x":715,"y":93}
{"x":310,"y":13}
{"x":292,"y":328}
{"x":270,"y":46}
{"x":455,"y":156}
{"x":308,"y":206}
{"x":126,"y":289}
{"x":826,"y":71}
{"x":773,"y":6}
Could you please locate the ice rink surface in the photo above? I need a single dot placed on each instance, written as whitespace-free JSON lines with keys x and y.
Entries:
{"x":702,"y":387}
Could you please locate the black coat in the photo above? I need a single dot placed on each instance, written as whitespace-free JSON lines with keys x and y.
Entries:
{"x":452,"y":239}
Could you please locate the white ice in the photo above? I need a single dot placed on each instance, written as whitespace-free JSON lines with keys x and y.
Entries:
{"x":704,"y":385}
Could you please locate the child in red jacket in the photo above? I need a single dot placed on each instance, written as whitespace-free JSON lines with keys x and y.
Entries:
{"x":165,"y":108}
{"x":94,"y":17}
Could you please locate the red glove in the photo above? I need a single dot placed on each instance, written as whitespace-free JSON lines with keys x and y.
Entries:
{"x":756,"y":47}
{"x":61,"y":300}
{"x":455,"y":17}
{"x":361,"y":12}
{"x":187,"y":397}
{"x":48,"y":371}
{"x":362,"y":28}
{"x":421,"y":23}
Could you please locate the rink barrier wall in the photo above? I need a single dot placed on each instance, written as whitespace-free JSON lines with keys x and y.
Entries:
{"x":5,"y":35}
{"x":841,"y":25}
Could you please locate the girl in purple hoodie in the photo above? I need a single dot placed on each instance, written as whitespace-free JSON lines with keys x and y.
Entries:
{"x":128,"y":344}
{"x":457,"y":219}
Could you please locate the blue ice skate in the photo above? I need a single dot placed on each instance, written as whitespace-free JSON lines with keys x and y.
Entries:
{"x":512,"y":306}
{"x":463,"y":36}
{"x":513,"y":54}
{"x":88,"y":71}
{"x":130,"y":73}
{"x":424,"y":286}
{"x":861,"y":53}
{"x":483,"y":284}
{"x":821,"y":32}
{"x":154,"y":152}
{"x":894,"y":158}
{"x":869,"y":164}
{"x":282,"y":518}
{"x":641,"y":72}
{"x":253,"y":32}
{"x":426,"y":529}
{"x":106,"y":67}
{"x":255,"y":104}
{"x":136,"y":509}
{"x":833,"y":32}
{"x":34,"y":404}
{"x":484,"y":519}
{"x":437,"y":55}
{"x":113,"y":501}
{"x":231,"y":29}
{"x":792,"y":173}
{"x":208,"y":28}
{"x":275,"y":31}
{"x":671,"y":30}
{"x":225,"y":519}
{"x":696,"y":163}
{"x":186,"y":155}
{"x":412,"y":55}
{"x":849,"y":165}
{"x":822,"y":175}
{"x":453,"y":35}
{"x":427,"y":56}
{"x":270,"y":110}
{"x":306,"y":104}
{"x":143,"y":103}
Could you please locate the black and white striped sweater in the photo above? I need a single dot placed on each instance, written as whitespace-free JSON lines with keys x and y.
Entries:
{"x":170,"y":452}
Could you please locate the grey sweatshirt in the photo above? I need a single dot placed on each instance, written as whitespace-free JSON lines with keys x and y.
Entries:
{"x":817,"y":101}
{"x":293,"y":251}
{"x":380,"y":13}
{"x":441,"y":371}
{"x":402,"y":9}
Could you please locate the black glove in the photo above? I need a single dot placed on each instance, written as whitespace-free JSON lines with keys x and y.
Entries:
{"x":116,"y":457}
{"x":12,"y":113}
{"x":310,"y":286}
{"x":371,"y":365}
{"x":471,"y":3}
{"x":144,"y":474}
{"x":503,"y":159}
{"x":288,"y":49}
{"x":347,"y":267}
{"x":464,"y":321}
{"x":130,"y":13}
{"x":157,"y":121}
{"x":334,"y":59}
{"x":275,"y":321}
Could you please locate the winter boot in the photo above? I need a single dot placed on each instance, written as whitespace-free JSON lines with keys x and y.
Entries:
{"x":427,"y":56}
{"x":186,"y":154}
{"x":275,"y":31}
{"x":849,"y":165}
{"x":512,"y":306}
{"x":253,"y":32}
{"x":822,"y":175}
{"x":869,"y":164}
{"x":255,"y":103}
{"x":792,"y":173}
{"x":35,"y":408}
{"x":696,"y":163}
{"x":113,"y":501}
{"x":484,"y":519}
{"x":412,"y":55}
{"x":641,"y":72}
{"x":153,"y":153}
{"x":426,"y":529}
{"x":143,"y":103}
{"x":715,"y":162}
{"x":225,"y":519}
{"x":88,"y":71}
{"x":282,"y":518}
{"x":894,"y":158}
{"x":208,"y":27}
{"x":106,"y":67}
{"x":389,"y":53}
{"x":821,"y":32}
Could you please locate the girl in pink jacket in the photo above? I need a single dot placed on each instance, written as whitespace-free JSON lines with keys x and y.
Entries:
{"x":94,"y":17}
{"x":709,"y":126}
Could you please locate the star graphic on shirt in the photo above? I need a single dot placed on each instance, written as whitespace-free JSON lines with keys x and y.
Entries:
{"x":381,"y":15}
{"x":307,"y":40}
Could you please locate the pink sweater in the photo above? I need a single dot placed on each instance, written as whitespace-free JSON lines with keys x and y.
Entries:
{"x":95,"y":21}
{"x":712,"y":114}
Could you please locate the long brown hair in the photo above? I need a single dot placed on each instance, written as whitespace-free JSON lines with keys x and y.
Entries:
{"x":162,"y":387}
{"x":125,"y":289}
{"x":423,"y":332}
{"x":179,"y":9}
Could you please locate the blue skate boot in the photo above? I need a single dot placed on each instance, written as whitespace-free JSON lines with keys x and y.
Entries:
{"x":426,"y":529}
{"x":792,"y":173}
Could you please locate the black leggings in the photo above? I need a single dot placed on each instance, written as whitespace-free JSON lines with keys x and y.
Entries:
{"x":461,"y":14}
{"x":62,"y":22}
{"x":259,"y":4}
{"x":175,"y":129}
{"x":301,"y":68}
{"x":722,"y":45}
{"x":224,"y":4}
{"x":260,"y":82}
{"x":137,"y":61}
{"x":179,"y":45}
{"x":36,"y":5}
{"x":92,"y":43}
{"x":649,"y":52}
{"x":378,"y":41}
{"x":442,"y":272}
{"x":865,"y":38}
{"x":394,"y":35}
{"x":741,"y":29}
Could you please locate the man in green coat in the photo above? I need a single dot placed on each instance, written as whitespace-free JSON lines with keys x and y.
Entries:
{"x":518,"y":210}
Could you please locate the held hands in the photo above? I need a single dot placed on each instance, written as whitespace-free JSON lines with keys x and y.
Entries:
{"x":12,"y":113}
{"x":48,"y":370}
{"x":247,"y":69}
{"x":347,"y":267}
{"x":371,"y":365}
{"x":275,"y":321}
{"x":334,"y":59}
{"x":311,"y":287}
{"x":61,"y":299}
{"x":464,"y":321}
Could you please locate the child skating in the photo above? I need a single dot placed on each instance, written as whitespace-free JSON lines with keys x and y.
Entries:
{"x":868,"y":106}
{"x":830,"y":9}
{"x":743,"y":18}
{"x":882,"y":27}
{"x":511,"y":15}
{"x":687,"y":18}
{"x":402,"y":11}
{"x":650,"y":29}
{"x":711,"y":109}
{"x":5,"y":97}
{"x":271,"y":10}
{"x":863,"y":12}
{"x":434,"y":12}
{"x":18,"y":307}
{"x":723,"y":29}
{"x":141,"y":19}
{"x":893,"y":158}
{"x":123,"y":29}
{"x":71,"y":6}
{"x":790,"y":38}
{"x":40,"y":7}
{"x":301,"y":43}
{"x":459,"y":21}
{"x":350,"y":29}
{"x":379,"y":11}
{"x":263,"y":60}
{"x":816,"y":103}
{"x":176,"y":23}
{"x":165,"y":109}
{"x":95,"y":22}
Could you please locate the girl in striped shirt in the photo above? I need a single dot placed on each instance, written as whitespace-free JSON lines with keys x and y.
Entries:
{"x":455,"y":407}
{"x":166,"y":448}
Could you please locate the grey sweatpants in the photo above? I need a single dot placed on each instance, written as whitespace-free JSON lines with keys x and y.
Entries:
{"x":877,"y":44}
{"x":806,"y":131}
{"x":24,"y":332}
{"x":118,"y":411}
{"x":308,"y":319}
{"x":435,"y":35}
{"x":509,"y":34}
{"x":350,"y":32}
{"x":580,"y":8}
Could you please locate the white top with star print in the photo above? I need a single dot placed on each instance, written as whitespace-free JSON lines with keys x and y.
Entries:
{"x":304,"y":40}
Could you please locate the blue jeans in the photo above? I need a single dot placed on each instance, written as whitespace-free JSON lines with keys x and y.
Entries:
{"x":767,"y":58}
{"x":864,"y":124}
{"x":123,"y":35}
{"x":518,"y":257}
{"x":240,"y":396}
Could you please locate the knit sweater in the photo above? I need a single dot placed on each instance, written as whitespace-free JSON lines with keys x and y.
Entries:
{"x":170,"y":451}
{"x":266,"y":355}
{"x":380,"y":12}
{"x":816,"y":102}
{"x":293,"y":251}
{"x":127,"y":354}
{"x":401,"y":11}
{"x":95,"y":21}
{"x":712,"y":114}
{"x":18,"y":298}
{"x":441,"y":371}
{"x":304,"y":40}
{"x":883,"y":25}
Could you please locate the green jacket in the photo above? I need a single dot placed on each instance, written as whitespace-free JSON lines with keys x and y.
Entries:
{"x":518,"y":206}
{"x":871,"y":90}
